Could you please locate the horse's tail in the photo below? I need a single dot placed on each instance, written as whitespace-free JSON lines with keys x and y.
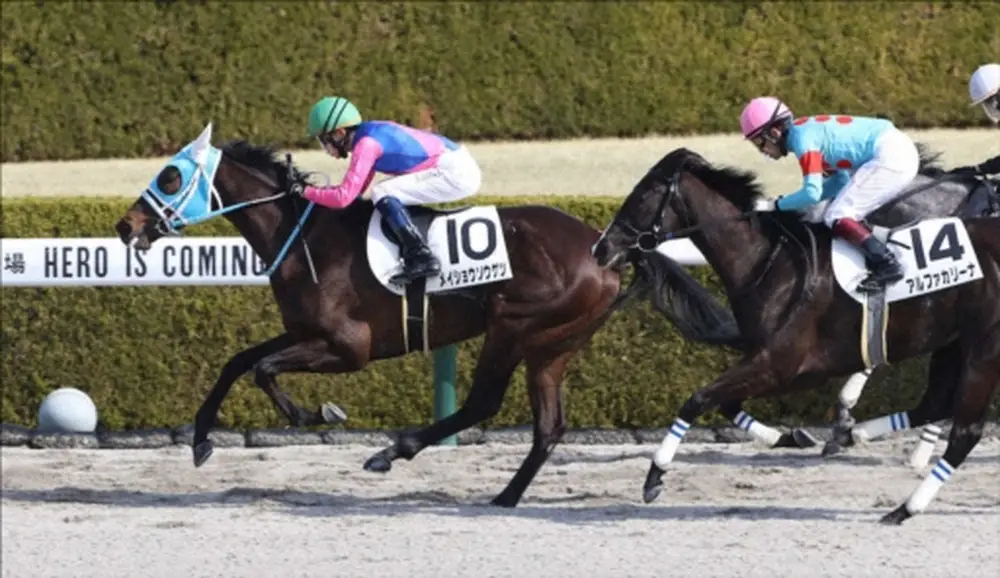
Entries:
{"x":696,"y":313}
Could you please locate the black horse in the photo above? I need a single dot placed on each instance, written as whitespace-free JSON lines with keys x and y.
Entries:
{"x":799,"y":326}
{"x":699,"y":317}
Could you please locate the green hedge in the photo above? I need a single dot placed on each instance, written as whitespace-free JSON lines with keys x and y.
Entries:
{"x":149,"y":355}
{"x":485,"y":70}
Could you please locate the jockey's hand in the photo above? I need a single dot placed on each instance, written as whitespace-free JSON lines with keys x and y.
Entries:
{"x":297,"y":189}
{"x":766,"y":205}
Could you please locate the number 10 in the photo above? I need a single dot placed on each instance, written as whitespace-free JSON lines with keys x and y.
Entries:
{"x":467,"y":250}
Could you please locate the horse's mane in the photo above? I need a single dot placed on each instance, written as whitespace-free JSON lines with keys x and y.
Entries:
{"x":929,"y":161}
{"x":739,"y":187}
{"x":265,"y":158}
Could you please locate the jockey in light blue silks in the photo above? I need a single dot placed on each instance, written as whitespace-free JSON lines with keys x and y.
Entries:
{"x":860,"y":163}
{"x":427,"y":168}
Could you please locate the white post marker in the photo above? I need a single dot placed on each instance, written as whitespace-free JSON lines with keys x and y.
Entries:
{"x":67,"y":410}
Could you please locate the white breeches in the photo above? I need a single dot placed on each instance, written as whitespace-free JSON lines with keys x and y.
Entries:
{"x":878,"y":181}
{"x":456,"y":176}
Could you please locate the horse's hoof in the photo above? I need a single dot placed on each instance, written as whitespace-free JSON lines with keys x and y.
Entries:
{"x":378,"y":463}
{"x":332,"y":413}
{"x":654,"y":485}
{"x":804,"y":439}
{"x":895,"y":517}
{"x":832,"y":448}
{"x":502,"y":502}
{"x":798,"y":439}
{"x":202,"y":452}
{"x":650,"y":493}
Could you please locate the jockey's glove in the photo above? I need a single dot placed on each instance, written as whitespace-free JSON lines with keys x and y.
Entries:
{"x":297,"y":189}
{"x":766,"y":205}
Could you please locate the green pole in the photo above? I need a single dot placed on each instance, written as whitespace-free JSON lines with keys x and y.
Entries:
{"x":445,"y":362}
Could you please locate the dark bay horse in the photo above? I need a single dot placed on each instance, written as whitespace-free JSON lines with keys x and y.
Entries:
{"x":345,"y":318}
{"x":799,"y":325}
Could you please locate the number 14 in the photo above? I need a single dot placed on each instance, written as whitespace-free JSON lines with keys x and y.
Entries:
{"x":939,"y":250}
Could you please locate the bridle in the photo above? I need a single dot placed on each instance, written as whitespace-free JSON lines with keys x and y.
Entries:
{"x":165,"y":225}
{"x":649,"y":239}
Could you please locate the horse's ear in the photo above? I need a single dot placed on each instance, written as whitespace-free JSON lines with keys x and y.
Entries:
{"x":199,"y":148}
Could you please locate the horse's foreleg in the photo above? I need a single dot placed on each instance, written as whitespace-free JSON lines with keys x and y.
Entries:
{"x":282,"y":355}
{"x":750,"y":377}
{"x":544,"y":380}
{"x":769,"y":436}
{"x":311,"y":356}
{"x":239,"y":364}
{"x":497,"y":360}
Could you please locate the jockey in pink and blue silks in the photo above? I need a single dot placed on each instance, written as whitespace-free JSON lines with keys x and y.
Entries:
{"x":426,"y":168}
{"x":858,"y":163}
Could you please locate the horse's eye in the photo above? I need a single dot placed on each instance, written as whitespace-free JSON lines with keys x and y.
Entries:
{"x":169,"y":180}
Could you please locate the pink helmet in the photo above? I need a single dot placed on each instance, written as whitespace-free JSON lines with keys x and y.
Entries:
{"x":760,"y":112}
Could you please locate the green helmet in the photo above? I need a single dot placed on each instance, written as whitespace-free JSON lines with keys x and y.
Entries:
{"x":331,"y":113}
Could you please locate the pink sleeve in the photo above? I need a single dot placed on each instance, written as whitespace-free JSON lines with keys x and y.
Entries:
{"x":359,"y":175}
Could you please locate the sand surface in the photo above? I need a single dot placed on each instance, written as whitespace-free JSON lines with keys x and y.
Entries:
{"x":728,"y":510}
{"x":571,"y":167}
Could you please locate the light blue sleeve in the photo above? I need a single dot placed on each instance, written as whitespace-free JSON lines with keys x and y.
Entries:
{"x":833,"y":184}
{"x":803,"y":145}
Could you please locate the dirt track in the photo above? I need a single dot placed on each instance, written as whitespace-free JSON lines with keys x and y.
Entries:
{"x":728,"y":510}
{"x":580,"y":167}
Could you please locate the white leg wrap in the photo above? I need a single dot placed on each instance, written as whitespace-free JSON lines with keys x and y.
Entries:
{"x":940,"y":474}
{"x":665,"y":453}
{"x":880,"y":426}
{"x":925,"y":447}
{"x":851,"y":392}
{"x":759,"y":431}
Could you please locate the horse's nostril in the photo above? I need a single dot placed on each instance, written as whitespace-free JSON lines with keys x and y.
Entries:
{"x":124,"y":231}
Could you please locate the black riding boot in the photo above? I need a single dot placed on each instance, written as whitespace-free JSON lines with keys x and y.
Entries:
{"x":882,"y":263}
{"x":883,"y":267}
{"x":418,"y":261}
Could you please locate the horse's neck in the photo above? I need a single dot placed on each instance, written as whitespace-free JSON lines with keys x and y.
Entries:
{"x":730,"y":244}
{"x":266,"y":226}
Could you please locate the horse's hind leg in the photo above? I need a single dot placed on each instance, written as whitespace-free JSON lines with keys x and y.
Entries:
{"x":849,"y":395}
{"x":944,"y":373}
{"x":797,"y":438}
{"x":544,"y":377}
{"x":980,"y":379}
{"x":497,"y":361}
